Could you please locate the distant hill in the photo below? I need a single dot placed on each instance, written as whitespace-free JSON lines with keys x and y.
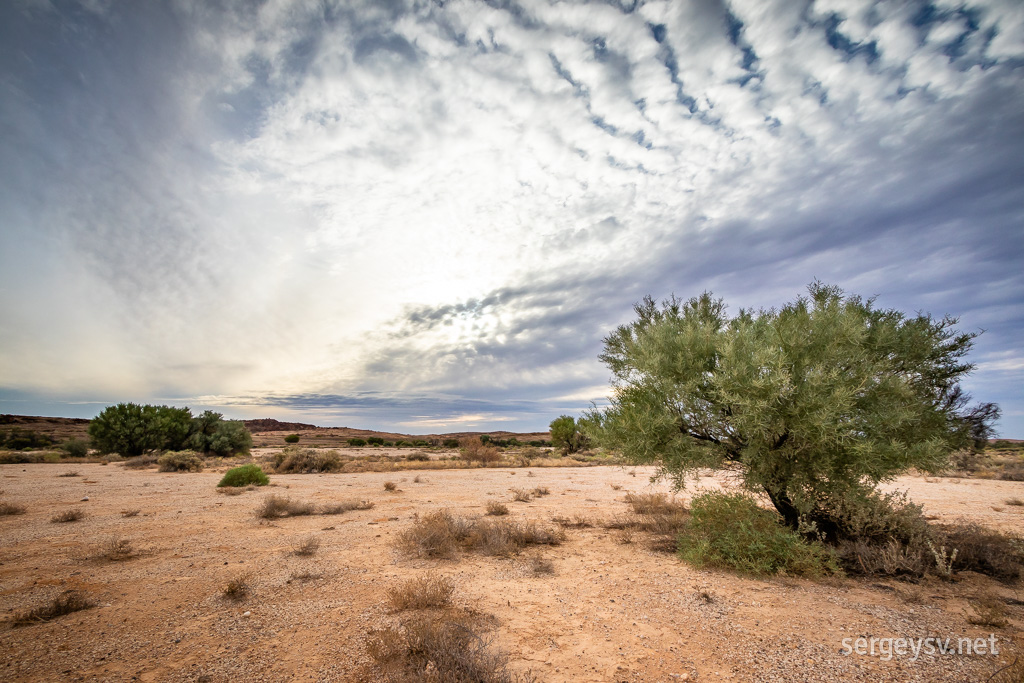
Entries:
{"x":269,"y":424}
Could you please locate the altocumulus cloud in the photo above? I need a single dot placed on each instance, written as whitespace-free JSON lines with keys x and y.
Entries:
{"x":426,"y":215}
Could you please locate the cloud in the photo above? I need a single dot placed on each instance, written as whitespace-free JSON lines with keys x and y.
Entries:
{"x":461,"y":199}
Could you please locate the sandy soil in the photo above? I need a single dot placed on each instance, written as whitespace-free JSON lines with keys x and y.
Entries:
{"x":610,"y":612}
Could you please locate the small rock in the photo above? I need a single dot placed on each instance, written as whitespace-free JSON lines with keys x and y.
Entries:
{"x":247,"y":614}
{"x":85,"y":499}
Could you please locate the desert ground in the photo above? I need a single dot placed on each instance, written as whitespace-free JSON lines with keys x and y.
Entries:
{"x":603,"y":610}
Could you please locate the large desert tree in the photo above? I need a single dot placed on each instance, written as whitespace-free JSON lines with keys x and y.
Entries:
{"x":810,"y":404}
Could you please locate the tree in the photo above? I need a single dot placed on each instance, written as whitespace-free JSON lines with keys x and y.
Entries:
{"x":127,"y":429}
{"x":567,"y":435}
{"x":812,"y":404}
{"x":211,"y":433}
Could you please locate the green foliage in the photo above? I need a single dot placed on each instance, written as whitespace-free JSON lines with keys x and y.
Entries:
{"x":451,"y":443}
{"x":357,"y":442}
{"x":811,"y":403}
{"x":730,"y":530}
{"x":567,"y":436}
{"x":76,"y":448}
{"x":180,"y":461}
{"x":245,"y":475}
{"x":129,"y":429}
{"x":291,"y":438}
{"x":375,"y":441}
{"x":485,"y":439}
{"x":23,"y":439}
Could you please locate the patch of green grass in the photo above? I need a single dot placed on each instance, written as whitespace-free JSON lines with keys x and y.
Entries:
{"x":245,"y":475}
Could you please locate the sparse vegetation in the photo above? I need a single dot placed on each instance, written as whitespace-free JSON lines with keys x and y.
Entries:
{"x":70,"y":473}
{"x":521,"y":496}
{"x":988,"y":610}
{"x":306,"y":547}
{"x":67,"y":516}
{"x":307,"y":461}
{"x":428,"y":648}
{"x":11,"y":509}
{"x":140,"y":463}
{"x":275,"y":507}
{"x":345,"y":506}
{"x":1014,"y":501}
{"x":116,"y":549}
{"x":291,"y":438}
{"x":75,"y":448}
{"x":496,"y":509}
{"x":390,"y":486}
{"x":67,"y":602}
{"x":244,"y":475}
{"x":541,"y":491}
{"x":441,"y":535}
{"x":180,"y":461}
{"x":428,"y":591}
{"x":237,"y":588}
{"x":130,"y":513}
{"x":475,"y":450}
{"x":541,"y":566}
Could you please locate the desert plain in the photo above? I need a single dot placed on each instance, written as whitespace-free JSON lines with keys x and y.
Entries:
{"x":604,"y":605}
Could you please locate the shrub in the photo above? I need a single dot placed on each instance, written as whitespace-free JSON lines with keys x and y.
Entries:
{"x":653,"y":504}
{"x":76,"y":448}
{"x":116,"y":549}
{"x":140,"y":462}
{"x":11,"y":509}
{"x":988,"y":610}
{"x":418,"y":456}
{"x":68,"y":516}
{"x":129,"y":429}
{"x":357,"y":442}
{"x":180,"y":461}
{"x":567,"y":436}
{"x":447,"y":649}
{"x":390,"y":486}
{"x":521,"y":495}
{"x":730,"y":530}
{"x":497,"y":509}
{"x":225,"y":438}
{"x":440,"y":535}
{"x":245,"y":475}
{"x":67,"y":602}
{"x":375,"y":440}
{"x":450,"y":443}
{"x":291,"y":438}
{"x":541,"y":491}
{"x":345,"y":506}
{"x":237,"y":588}
{"x":274,"y":507}
{"x":982,"y":550}
{"x":307,"y":461}
{"x":429,"y":590}
{"x":307,"y":547}
{"x":474,"y":450}
{"x":17,"y":458}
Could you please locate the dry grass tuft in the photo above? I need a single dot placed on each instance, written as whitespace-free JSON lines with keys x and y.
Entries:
{"x":541,"y":566}
{"x":441,"y":534}
{"x":496,"y":509}
{"x":130,"y":513}
{"x":988,"y":610}
{"x":521,"y":495}
{"x":616,"y":487}
{"x":304,"y":576}
{"x":11,"y":509}
{"x":390,"y":486}
{"x":653,"y":504}
{"x":70,"y":473}
{"x":429,"y":590}
{"x":578,"y":521}
{"x":237,"y":588}
{"x":275,"y":507}
{"x":307,"y":547}
{"x":230,"y":490}
{"x":65,"y":603}
{"x":1014,"y":501}
{"x":345,"y":506}
{"x":445,"y":649}
{"x":116,"y":549}
{"x":541,"y":491}
{"x":68,"y":516}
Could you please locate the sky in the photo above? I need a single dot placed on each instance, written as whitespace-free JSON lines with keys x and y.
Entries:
{"x":425,"y":216}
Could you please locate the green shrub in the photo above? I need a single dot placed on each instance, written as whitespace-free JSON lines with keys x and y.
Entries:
{"x":21,"y":439}
{"x":357,"y":442}
{"x":19,"y":458}
{"x":730,"y":530}
{"x":180,"y":461}
{"x":291,"y":438}
{"x":375,"y":441}
{"x":76,"y":448}
{"x":244,"y":476}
